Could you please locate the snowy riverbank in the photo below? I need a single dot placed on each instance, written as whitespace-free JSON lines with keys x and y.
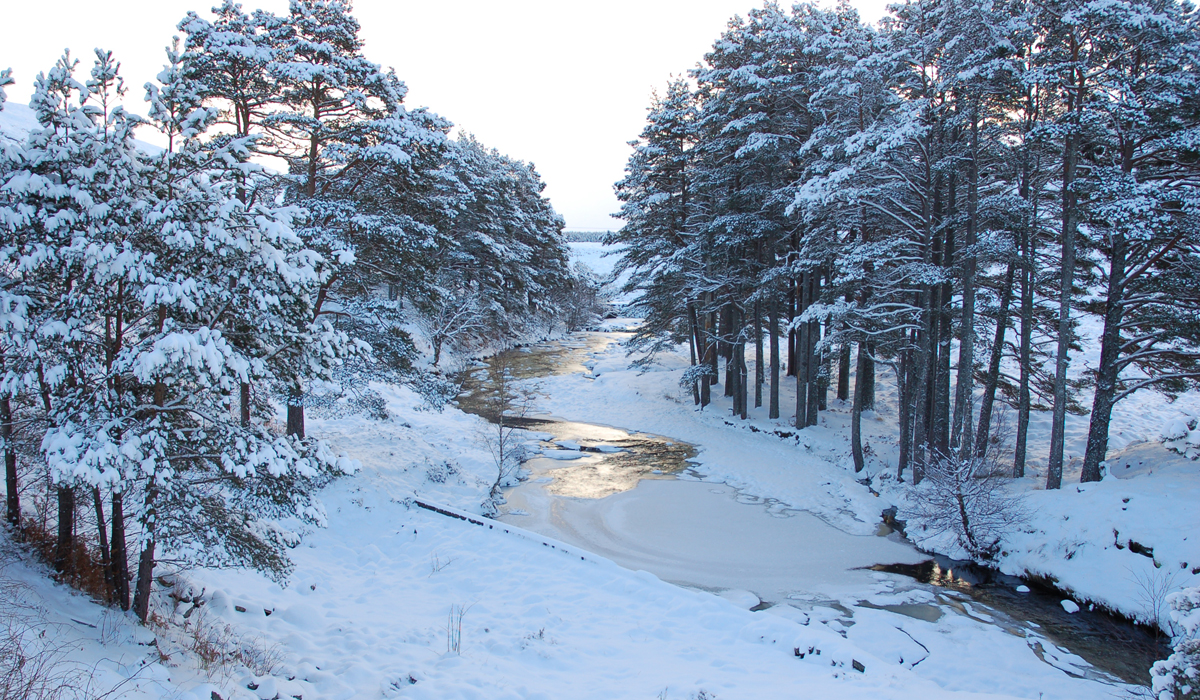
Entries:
{"x":371,"y":611}
{"x":1120,"y":543}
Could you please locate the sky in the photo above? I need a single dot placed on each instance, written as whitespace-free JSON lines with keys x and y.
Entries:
{"x":560,"y":83}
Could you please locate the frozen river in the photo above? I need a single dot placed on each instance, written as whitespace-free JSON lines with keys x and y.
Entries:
{"x":631,"y":497}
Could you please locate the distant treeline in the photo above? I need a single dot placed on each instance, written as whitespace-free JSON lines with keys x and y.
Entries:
{"x":585,"y":236}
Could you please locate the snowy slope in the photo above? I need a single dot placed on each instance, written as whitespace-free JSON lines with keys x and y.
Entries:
{"x":370,"y":611}
{"x":371,"y":608}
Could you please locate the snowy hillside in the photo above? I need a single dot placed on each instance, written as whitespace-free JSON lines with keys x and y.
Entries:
{"x":372,"y":611}
{"x":896,"y":395}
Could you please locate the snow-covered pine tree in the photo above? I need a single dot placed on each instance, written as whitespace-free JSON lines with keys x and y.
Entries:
{"x":229,"y":284}
{"x":230,"y":59}
{"x":1073,"y":55}
{"x":72,"y":208}
{"x":10,"y":314}
{"x":657,"y":206}
{"x":341,"y":120}
{"x":754,"y":88}
{"x":1141,"y":205}
{"x":848,"y":168}
{"x":508,"y":248}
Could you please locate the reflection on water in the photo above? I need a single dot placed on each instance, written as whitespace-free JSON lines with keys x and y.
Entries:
{"x":613,"y":460}
{"x":549,"y":359}
{"x":1111,"y":644}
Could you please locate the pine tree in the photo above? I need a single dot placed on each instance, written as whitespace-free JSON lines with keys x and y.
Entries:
{"x":12,"y":321}
{"x":657,"y":206}
{"x":1140,"y":203}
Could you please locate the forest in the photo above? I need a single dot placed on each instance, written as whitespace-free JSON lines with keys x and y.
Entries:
{"x":942,"y":198}
{"x":952,"y":188}
{"x":157,"y":303}
{"x":952,"y":236}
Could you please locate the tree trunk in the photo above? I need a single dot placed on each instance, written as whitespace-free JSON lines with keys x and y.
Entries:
{"x":105,"y":554}
{"x":801,"y":356}
{"x":244,"y":401}
{"x":744,"y":381}
{"x":725,"y":336}
{"x":1109,"y":370}
{"x":1026,"y":352}
{"x":759,"y":373}
{"x":925,"y":360}
{"x":145,"y":581}
{"x":145,"y":575}
{"x":693,"y":350}
{"x":813,"y":369}
{"x":963,"y":428}
{"x":941,"y":434}
{"x":904,"y":396}
{"x":702,"y":347}
{"x":813,"y":360}
{"x":66,"y":529}
{"x":295,"y":414}
{"x":773,"y":323}
{"x":993,"y":374}
{"x":13,"y":501}
{"x":791,"y":341}
{"x":823,"y":381}
{"x":1054,"y":464}
{"x":856,"y":448}
{"x":843,"y":385}
{"x":119,"y":554}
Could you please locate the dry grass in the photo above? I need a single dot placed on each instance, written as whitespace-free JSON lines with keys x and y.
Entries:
{"x":221,"y":650}
{"x":85,"y":567}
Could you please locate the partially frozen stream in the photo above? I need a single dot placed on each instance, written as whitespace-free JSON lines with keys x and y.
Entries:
{"x":630,"y":497}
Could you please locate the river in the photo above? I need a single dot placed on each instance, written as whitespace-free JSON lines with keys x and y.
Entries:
{"x":633,"y":498}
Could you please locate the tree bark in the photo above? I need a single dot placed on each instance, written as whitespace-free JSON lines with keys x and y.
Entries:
{"x":773,"y":323}
{"x":705,"y":351}
{"x":856,"y":409}
{"x":119,"y":554}
{"x":1109,"y":370}
{"x":13,"y":500}
{"x":812,"y":362}
{"x":869,"y":378}
{"x":801,"y":356}
{"x":965,"y":387}
{"x":992,"y":381}
{"x":295,"y":414}
{"x":1054,"y":464}
{"x":694,"y":350}
{"x":759,"y":373}
{"x":145,"y":580}
{"x":244,"y":401}
{"x":105,"y":554}
{"x":66,"y":529}
{"x":843,"y":385}
{"x":904,"y":395}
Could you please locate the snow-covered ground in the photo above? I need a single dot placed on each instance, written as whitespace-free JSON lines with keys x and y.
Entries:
{"x":393,"y":600}
{"x":371,"y":611}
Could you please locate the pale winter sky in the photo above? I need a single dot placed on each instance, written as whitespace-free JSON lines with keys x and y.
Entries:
{"x":561,"y":83}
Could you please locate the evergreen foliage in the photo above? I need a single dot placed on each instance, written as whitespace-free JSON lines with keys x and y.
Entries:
{"x":951,"y":174}
{"x":154,"y":306}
